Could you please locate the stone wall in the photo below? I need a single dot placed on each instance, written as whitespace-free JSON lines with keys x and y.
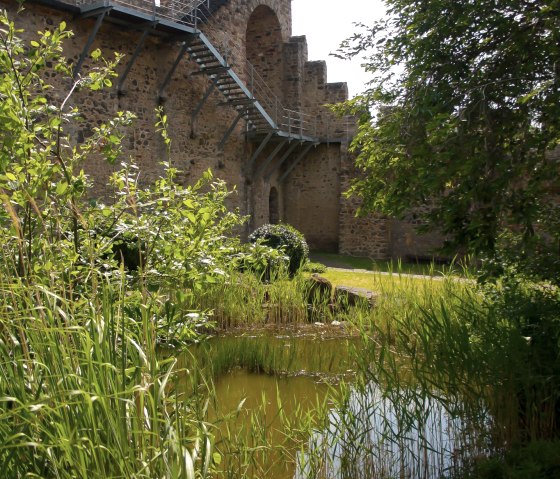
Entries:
{"x":264,"y":51}
{"x":360,"y":236}
{"x":309,"y":197}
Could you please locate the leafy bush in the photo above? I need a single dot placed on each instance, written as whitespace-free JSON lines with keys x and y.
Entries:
{"x":260,"y":260}
{"x":537,"y":460}
{"x":535,"y":257}
{"x":85,"y":390}
{"x":286,"y":238}
{"x":313,"y":267}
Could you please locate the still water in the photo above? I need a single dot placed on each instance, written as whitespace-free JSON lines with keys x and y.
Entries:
{"x":291,"y":392}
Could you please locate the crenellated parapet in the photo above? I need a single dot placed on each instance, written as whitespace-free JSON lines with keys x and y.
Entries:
{"x":241,"y":97}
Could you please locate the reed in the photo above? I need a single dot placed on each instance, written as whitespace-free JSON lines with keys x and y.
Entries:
{"x":447,"y":378}
{"x":243,"y":300}
{"x":84,"y":393}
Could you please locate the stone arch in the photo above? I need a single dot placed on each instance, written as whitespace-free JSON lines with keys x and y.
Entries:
{"x":273,"y":206}
{"x":263,"y":47}
{"x":282,"y":9}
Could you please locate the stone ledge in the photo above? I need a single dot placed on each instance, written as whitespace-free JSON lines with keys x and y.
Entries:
{"x":346,"y":295}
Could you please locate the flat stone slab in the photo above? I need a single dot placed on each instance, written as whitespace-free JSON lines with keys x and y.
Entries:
{"x":346,"y":295}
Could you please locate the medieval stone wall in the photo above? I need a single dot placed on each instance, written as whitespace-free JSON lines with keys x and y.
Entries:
{"x":309,"y":197}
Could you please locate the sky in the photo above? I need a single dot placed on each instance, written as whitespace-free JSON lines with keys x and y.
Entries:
{"x":326,"y":23}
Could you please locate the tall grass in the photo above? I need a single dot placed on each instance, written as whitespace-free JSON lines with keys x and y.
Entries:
{"x":84,"y":394}
{"x":447,"y":378}
{"x":243,"y":300}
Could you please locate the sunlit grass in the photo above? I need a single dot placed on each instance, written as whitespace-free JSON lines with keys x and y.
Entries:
{"x":390,"y":266}
{"x":373,"y":280}
{"x":85,"y":394}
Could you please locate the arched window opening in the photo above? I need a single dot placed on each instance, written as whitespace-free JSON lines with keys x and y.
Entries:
{"x":264,"y":53}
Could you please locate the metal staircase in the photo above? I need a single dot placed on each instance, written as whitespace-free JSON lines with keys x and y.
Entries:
{"x":216,"y":55}
{"x":224,"y":79}
{"x":226,"y":65}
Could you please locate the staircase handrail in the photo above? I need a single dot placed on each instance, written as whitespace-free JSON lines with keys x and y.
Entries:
{"x":190,"y":13}
{"x":178,"y":11}
{"x":284,"y":118}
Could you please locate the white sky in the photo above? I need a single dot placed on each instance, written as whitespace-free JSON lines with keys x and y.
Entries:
{"x":326,"y":23}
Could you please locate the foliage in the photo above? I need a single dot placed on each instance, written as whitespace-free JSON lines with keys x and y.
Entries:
{"x":49,"y":229}
{"x":537,"y":460}
{"x":313,"y":267}
{"x":180,"y":230}
{"x":244,"y":300}
{"x":466,"y":105}
{"x":487,"y":355}
{"x":536,"y":260}
{"x":85,"y":392}
{"x":265,"y":262}
{"x":456,"y":129}
{"x":285,"y":238}
{"x":41,"y":183}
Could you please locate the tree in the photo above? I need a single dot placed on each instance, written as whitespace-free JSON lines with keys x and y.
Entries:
{"x":466,"y":108}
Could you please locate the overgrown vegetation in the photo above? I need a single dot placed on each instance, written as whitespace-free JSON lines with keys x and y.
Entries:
{"x":90,"y":292}
{"x":452,"y":380}
{"x":84,"y":392}
{"x":464,"y":118}
{"x":457,"y":129}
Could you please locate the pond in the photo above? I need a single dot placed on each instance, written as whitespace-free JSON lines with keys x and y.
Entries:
{"x":287,"y":406}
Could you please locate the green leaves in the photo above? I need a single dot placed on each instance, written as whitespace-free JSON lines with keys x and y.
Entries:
{"x":185,"y":231}
{"x":40,"y":172}
{"x":466,"y":103}
{"x":79,"y":349}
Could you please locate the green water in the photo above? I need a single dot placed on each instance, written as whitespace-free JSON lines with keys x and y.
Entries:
{"x":265,"y":399}
{"x":268,"y":388}
{"x":265,"y":387}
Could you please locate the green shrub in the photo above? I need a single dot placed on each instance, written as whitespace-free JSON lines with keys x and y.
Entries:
{"x":537,"y":460}
{"x":312,"y":267}
{"x":260,"y":260}
{"x":85,"y":391}
{"x":286,"y":238}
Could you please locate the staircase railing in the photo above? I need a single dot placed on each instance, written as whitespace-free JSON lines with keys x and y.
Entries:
{"x":178,"y":11}
{"x":192,"y":13}
{"x":291,"y":121}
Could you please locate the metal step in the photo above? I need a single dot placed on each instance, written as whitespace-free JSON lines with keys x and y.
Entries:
{"x":228,"y":81}
{"x":208,"y":65}
{"x":238,"y":101}
{"x":238,"y":95}
{"x":204,"y":57}
{"x":231,"y":88}
{"x":212,"y":71}
{"x":198,"y":49}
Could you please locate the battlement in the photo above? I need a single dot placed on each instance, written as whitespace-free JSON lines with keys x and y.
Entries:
{"x":241,"y":97}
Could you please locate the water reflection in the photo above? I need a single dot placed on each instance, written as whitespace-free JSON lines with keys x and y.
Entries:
{"x":368,"y":432}
{"x":371,"y":435}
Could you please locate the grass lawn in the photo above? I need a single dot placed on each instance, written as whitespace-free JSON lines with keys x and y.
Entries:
{"x":371,"y":281}
{"x":334,"y":260}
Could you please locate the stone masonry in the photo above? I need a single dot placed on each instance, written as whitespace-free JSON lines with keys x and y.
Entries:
{"x":307,"y":194}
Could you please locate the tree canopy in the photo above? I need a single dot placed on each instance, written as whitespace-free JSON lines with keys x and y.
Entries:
{"x":466,"y":110}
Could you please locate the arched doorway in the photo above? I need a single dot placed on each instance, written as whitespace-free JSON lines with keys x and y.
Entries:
{"x":264,"y":52}
{"x":273,"y":207}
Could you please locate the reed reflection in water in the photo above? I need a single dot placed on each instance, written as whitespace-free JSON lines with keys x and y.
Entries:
{"x":371,"y":436}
